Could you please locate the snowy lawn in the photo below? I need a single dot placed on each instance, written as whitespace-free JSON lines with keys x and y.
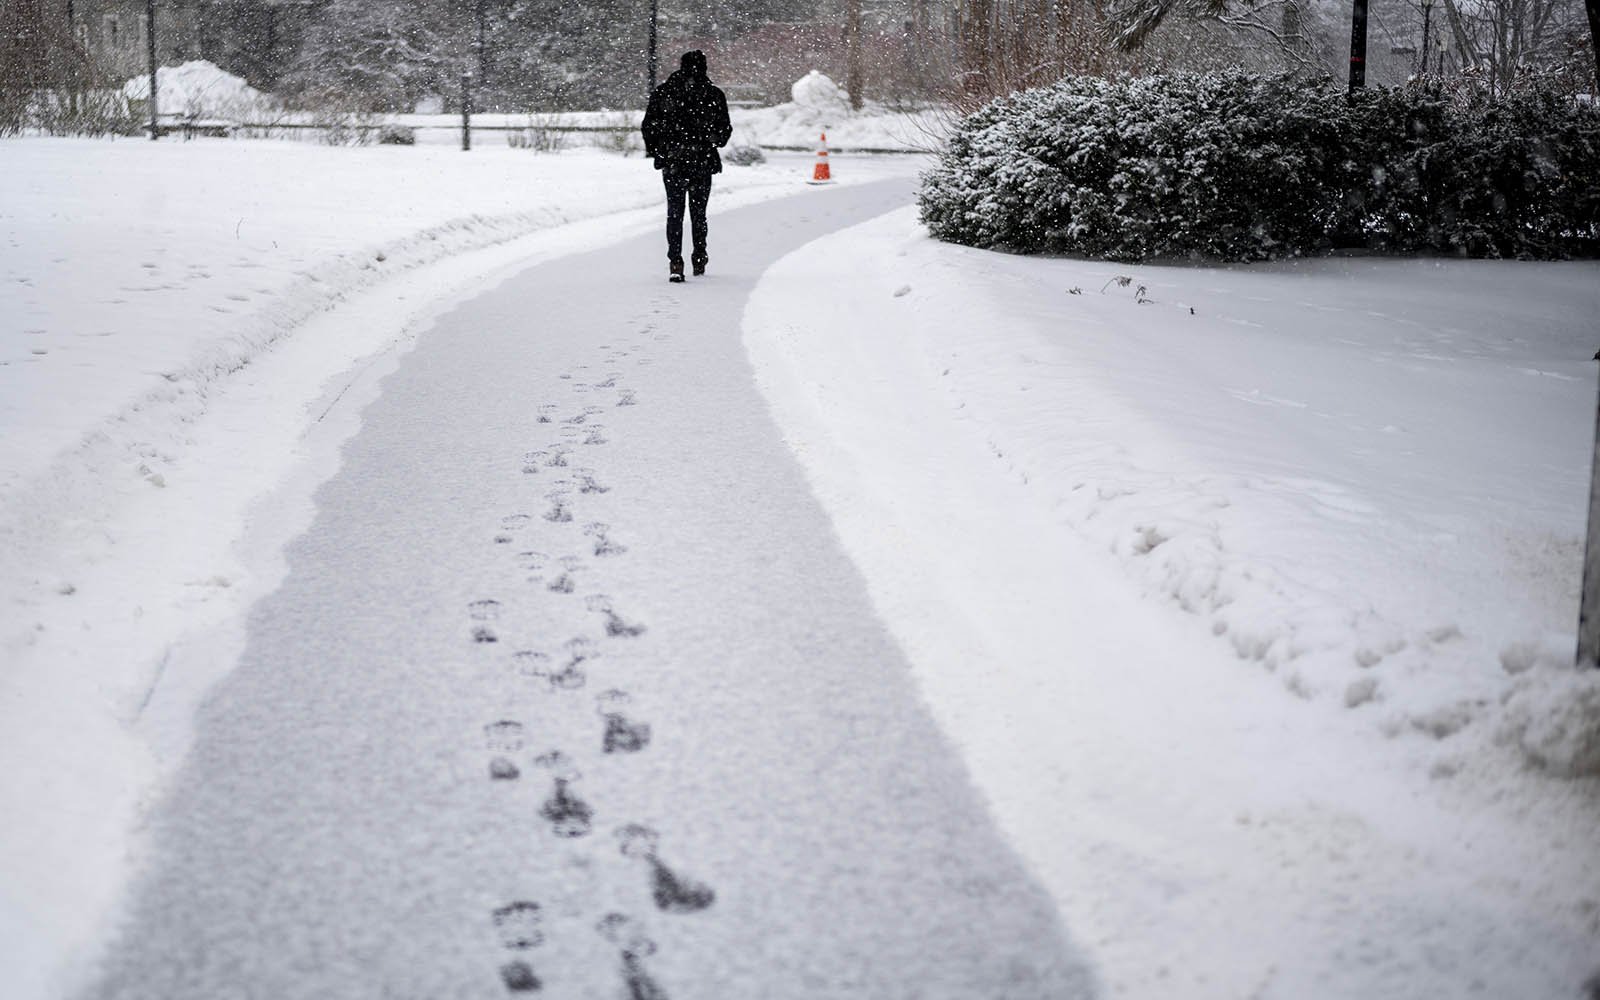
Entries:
{"x":186,"y":333}
{"x":1250,"y":592}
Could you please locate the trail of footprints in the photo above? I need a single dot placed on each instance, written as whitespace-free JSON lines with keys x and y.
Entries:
{"x":513,"y":756}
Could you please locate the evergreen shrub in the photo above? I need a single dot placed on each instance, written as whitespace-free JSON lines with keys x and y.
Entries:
{"x":1237,"y":166}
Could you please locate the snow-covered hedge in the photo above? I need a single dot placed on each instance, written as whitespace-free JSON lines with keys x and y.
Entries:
{"x":1237,"y":166}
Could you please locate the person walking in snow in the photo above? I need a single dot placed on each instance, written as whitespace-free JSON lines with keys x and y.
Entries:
{"x":684,"y":124}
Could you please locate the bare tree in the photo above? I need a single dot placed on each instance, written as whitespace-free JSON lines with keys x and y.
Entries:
{"x":1498,"y":41}
{"x":39,"y":59}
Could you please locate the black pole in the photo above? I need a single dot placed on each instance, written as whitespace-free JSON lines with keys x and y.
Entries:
{"x":654,"y":10}
{"x":150,"y":37}
{"x":1358,"y":45}
{"x":1427,"y":22}
{"x":466,"y":111}
{"x":1589,"y":603}
{"x":483,"y":73}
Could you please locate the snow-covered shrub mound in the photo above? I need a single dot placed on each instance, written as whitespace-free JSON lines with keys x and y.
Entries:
{"x":200,"y":89}
{"x":744,"y":155}
{"x":1241,"y":167}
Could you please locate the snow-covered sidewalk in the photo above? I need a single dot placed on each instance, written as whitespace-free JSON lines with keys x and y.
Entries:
{"x":569,"y":687}
{"x":1249,"y":592}
{"x":187,"y":331}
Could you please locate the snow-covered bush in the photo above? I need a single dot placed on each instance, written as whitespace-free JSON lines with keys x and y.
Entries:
{"x":536,"y":138}
{"x":344,"y":128}
{"x":744,"y":155}
{"x":1240,"y":167}
{"x":88,"y":112}
{"x":1518,"y":176}
{"x":396,"y":135}
{"x":622,"y":136}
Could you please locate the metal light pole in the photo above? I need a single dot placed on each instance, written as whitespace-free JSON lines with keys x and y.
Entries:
{"x":1589,"y":604}
{"x":482,"y":42}
{"x":1358,"y":45}
{"x":1427,"y":24}
{"x":150,"y":38}
{"x":466,"y":111}
{"x":654,"y":10}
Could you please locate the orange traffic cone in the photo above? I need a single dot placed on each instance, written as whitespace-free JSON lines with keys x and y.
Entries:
{"x":821,"y":174}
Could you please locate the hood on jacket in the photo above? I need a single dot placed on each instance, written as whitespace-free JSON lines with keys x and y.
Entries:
{"x":693,"y":65}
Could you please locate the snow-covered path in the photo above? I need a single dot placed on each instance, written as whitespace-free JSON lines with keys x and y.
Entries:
{"x":570,"y":684}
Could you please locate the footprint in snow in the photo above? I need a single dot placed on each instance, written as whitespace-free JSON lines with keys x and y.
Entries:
{"x":626,"y":397}
{"x":519,"y":977}
{"x":503,"y":738}
{"x":587,"y":483}
{"x":483,"y":612}
{"x":572,"y":676}
{"x":616,"y":625}
{"x":486,"y":610}
{"x":508,"y":524}
{"x":569,"y":678}
{"x":547,"y":413}
{"x":630,"y":940}
{"x":559,"y":512}
{"x":603,"y":544}
{"x":531,"y":663}
{"x":518,"y":924}
{"x":559,"y":765}
{"x":622,"y":735}
{"x":569,"y":815}
{"x":673,"y":893}
{"x":565,"y":581}
{"x":556,"y":457}
{"x":610,"y":381}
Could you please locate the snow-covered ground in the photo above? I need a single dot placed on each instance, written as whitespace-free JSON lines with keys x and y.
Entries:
{"x":183,"y":330}
{"x":1249,"y":592}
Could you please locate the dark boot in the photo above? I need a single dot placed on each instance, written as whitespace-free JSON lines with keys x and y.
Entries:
{"x":700,"y":265}
{"x":675,"y":271}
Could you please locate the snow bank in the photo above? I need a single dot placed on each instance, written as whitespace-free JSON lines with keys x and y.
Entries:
{"x":874,"y":127}
{"x":200,"y":89}
{"x":785,"y":126}
{"x":1086,"y":506}
{"x":818,"y":94}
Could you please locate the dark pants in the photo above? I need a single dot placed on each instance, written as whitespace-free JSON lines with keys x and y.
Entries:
{"x":698,"y":189}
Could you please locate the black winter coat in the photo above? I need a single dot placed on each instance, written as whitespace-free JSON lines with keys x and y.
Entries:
{"x":685,"y":122}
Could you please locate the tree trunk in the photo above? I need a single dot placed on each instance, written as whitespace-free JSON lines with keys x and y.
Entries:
{"x":1593,"y":7}
{"x":852,"y":30}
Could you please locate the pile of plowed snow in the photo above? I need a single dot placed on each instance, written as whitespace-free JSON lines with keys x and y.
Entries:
{"x":200,"y":89}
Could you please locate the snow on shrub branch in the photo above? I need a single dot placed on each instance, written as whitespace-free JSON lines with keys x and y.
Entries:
{"x":1237,"y":166}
